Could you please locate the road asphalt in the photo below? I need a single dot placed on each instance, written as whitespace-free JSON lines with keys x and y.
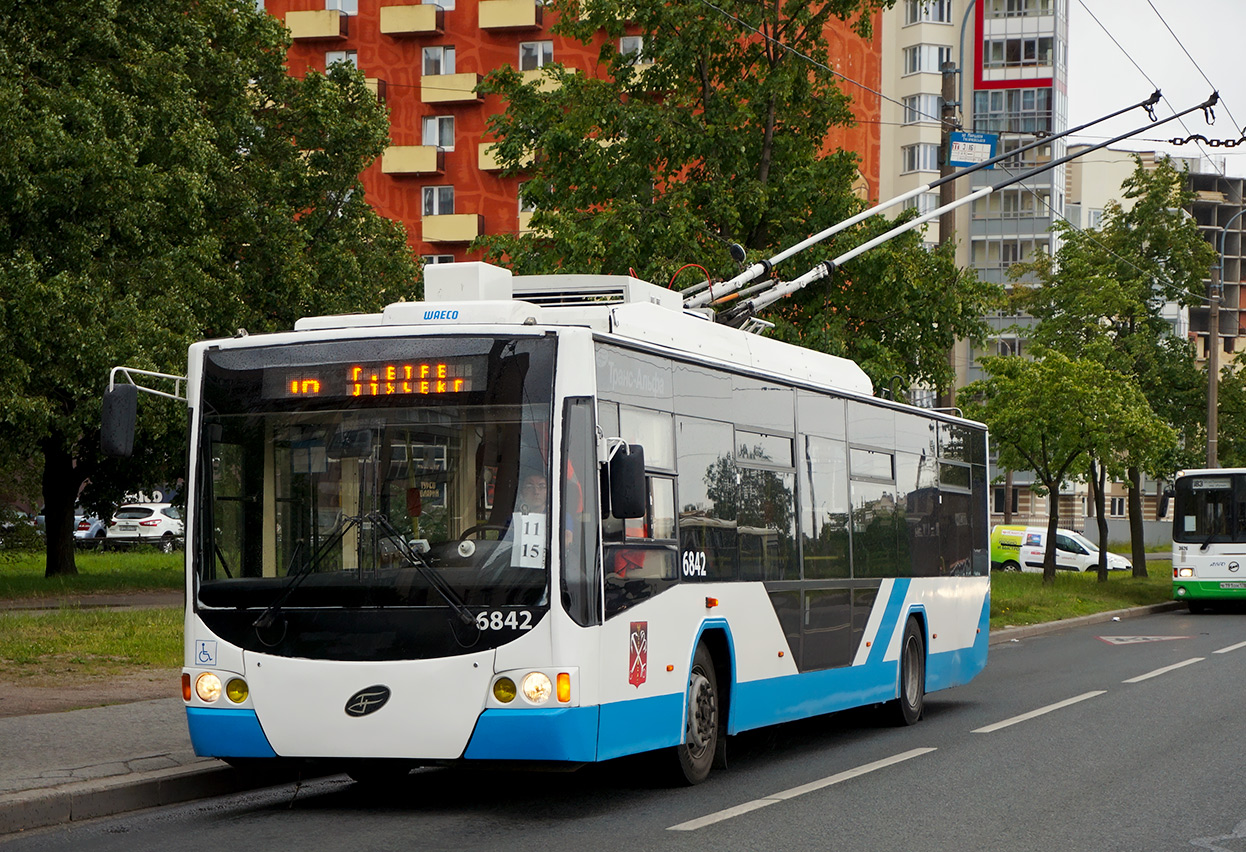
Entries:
{"x":57,"y":768}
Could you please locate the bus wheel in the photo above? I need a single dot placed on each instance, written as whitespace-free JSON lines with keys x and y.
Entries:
{"x":907,"y":709}
{"x":695,"y":755}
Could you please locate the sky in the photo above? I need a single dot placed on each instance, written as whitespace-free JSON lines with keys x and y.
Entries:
{"x":1104,"y":78}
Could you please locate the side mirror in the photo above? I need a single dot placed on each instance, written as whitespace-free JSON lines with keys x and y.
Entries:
{"x":117,"y":421}
{"x":1163,"y":504}
{"x":628,"y":497}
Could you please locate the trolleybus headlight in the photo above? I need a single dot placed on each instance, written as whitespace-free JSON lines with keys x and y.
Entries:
{"x":504,"y":690}
{"x":208,"y":687}
{"x":537,"y":687}
{"x":1185,"y":572}
{"x":236,"y":690}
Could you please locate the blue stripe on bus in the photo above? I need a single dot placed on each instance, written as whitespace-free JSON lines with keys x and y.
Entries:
{"x":953,"y":668}
{"x":222,"y":732}
{"x":887,"y":627}
{"x":559,"y":733}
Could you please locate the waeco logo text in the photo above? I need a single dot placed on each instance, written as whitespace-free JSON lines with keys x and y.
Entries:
{"x":441,"y":315}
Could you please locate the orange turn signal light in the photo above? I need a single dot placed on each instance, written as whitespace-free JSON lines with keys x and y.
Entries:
{"x":564,"y":687}
{"x":710,"y":603}
{"x":185,"y":686}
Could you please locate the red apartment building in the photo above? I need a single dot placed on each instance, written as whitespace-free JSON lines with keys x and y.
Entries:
{"x":425,"y":60}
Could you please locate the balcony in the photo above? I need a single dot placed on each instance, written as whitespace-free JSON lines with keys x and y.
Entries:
{"x":377,"y":87}
{"x":317,"y":25}
{"x":449,"y":88}
{"x":412,"y":20}
{"x":510,"y":15}
{"x":537,"y":75}
{"x":413,"y":160}
{"x":487,"y":160}
{"x":452,"y":228}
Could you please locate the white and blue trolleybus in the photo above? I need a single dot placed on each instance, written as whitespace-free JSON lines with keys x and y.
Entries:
{"x":560,"y":519}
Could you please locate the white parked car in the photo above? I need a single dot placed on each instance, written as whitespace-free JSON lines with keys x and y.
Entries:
{"x":89,"y":531}
{"x":157,"y":524}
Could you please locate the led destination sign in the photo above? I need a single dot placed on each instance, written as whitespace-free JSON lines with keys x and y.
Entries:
{"x":392,"y":378}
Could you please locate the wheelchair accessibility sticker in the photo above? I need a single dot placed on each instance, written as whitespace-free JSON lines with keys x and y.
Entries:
{"x":205,"y":652}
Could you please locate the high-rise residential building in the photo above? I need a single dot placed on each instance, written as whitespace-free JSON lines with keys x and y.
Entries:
{"x":1011,"y":57}
{"x":425,"y":60}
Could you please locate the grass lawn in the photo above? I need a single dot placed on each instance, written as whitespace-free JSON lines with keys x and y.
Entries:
{"x":21,"y":574}
{"x":88,"y":642}
{"x":1018,"y":599}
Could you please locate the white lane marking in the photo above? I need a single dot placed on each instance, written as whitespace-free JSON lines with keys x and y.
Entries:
{"x":774,"y":799}
{"x":1025,"y":717}
{"x":1164,"y":670}
{"x":1231,"y":648}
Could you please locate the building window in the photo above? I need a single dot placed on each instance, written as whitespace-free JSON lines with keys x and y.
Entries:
{"x":927,"y":11}
{"x":923,"y":157}
{"x":438,"y":60}
{"x":1116,"y":507}
{"x":1094,"y":218}
{"x":1019,"y":8}
{"x":1012,"y":111}
{"x":535,"y":54}
{"x":919,"y":108}
{"x":633,"y":47}
{"x":439,"y":131}
{"x":346,"y":7}
{"x":526,"y":204}
{"x":447,"y":5}
{"x":926,"y":58}
{"x":431,"y":259}
{"x":925,"y":203}
{"x":438,"y":200}
{"x":1017,"y":52}
{"x":332,"y":57}
{"x":998,"y":500}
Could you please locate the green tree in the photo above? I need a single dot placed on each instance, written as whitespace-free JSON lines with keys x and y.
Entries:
{"x":1102,"y":295}
{"x":1053,"y":414}
{"x":164,"y":179}
{"x":716,"y":135}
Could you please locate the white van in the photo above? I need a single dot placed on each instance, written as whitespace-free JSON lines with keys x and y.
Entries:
{"x":1016,"y":548}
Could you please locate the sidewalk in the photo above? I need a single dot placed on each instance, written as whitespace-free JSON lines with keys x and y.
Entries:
{"x":62,"y":767}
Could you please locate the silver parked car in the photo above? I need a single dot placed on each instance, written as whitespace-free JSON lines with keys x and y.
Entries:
{"x":157,"y":524}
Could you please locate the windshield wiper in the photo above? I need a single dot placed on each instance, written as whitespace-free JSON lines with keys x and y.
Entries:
{"x":427,"y":571}
{"x":269,"y":615}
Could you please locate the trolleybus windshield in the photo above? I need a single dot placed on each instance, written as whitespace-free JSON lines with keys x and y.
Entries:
{"x":327,"y":470}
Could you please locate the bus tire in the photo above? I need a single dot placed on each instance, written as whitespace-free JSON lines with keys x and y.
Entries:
{"x":907,"y":709}
{"x":694,"y":757}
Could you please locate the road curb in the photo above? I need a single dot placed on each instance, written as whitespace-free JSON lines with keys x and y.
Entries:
{"x":42,"y":808}
{"x":1013,"y":634}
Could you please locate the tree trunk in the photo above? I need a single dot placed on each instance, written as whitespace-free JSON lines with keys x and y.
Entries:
{"x":61,"y":482}
{"x":1135,"y":522}
{"x":1053,"y":523}
{"x":1098,"y":481}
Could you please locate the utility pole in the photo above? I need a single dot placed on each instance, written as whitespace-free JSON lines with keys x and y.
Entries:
{"x":947,"y":116}
{"x":947,"y":190}
{"x":1213,"y":367}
